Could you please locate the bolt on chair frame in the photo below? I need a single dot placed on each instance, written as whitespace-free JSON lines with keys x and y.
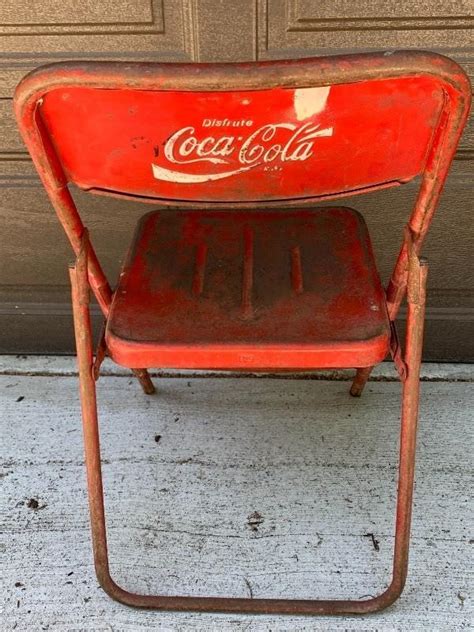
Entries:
{"x":409,"y":275}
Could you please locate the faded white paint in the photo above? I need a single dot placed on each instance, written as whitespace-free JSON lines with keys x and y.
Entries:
{"x":310,"y":101}
{"x":170,"y":175}
{"x":259,"y":147}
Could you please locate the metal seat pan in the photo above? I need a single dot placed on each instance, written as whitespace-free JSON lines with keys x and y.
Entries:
{"x":249,"y":290}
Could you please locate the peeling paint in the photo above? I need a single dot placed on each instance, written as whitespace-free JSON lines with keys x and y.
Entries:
{"x":310,"y":101}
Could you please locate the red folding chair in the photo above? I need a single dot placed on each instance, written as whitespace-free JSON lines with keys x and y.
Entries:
{"x":220,"y":277}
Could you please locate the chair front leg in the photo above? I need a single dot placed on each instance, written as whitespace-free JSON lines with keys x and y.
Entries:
{"x":144,"y":378}
{"x":360,"y":381}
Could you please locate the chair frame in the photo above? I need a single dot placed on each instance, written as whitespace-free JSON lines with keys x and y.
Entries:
{"x":409,"y":275}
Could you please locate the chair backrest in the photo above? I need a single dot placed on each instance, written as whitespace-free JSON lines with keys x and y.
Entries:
{"x":244,"y":134}
{"x":244,"y":145}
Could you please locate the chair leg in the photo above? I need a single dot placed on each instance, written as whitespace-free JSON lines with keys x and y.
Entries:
{"x":84,"y":350}
{"x":145,"y":381}
{"x":416,"y":298}
{"x":360,"y":381}
{"x":245,"y":605}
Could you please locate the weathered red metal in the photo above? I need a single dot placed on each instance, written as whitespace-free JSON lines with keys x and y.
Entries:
{"x":157,"y":144}
{"x":415,"y":319}
{"x":300,"y":131}
{"x":249,"y":290}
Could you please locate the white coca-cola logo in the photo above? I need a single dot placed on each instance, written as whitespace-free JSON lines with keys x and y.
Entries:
{"x":270,"y":144}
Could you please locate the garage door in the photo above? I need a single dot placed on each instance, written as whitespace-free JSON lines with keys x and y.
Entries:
{"x":35,"y":314}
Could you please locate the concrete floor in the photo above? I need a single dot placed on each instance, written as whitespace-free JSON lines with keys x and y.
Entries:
{"x":232,"y":486}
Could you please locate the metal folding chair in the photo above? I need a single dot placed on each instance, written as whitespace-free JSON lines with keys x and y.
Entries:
{"x":220,"y":277}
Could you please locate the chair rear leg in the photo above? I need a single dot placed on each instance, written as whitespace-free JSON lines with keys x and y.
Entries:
{"x":84,"y":350}
{"x":415,"y":320}
{"x":414,"y":336}
{"x":416,"y":298}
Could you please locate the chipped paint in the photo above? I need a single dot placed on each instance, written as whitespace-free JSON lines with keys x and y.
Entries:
{"x":310,"y":101}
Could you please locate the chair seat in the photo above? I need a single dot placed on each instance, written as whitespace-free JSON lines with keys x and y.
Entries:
{"x":249,"y":290}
